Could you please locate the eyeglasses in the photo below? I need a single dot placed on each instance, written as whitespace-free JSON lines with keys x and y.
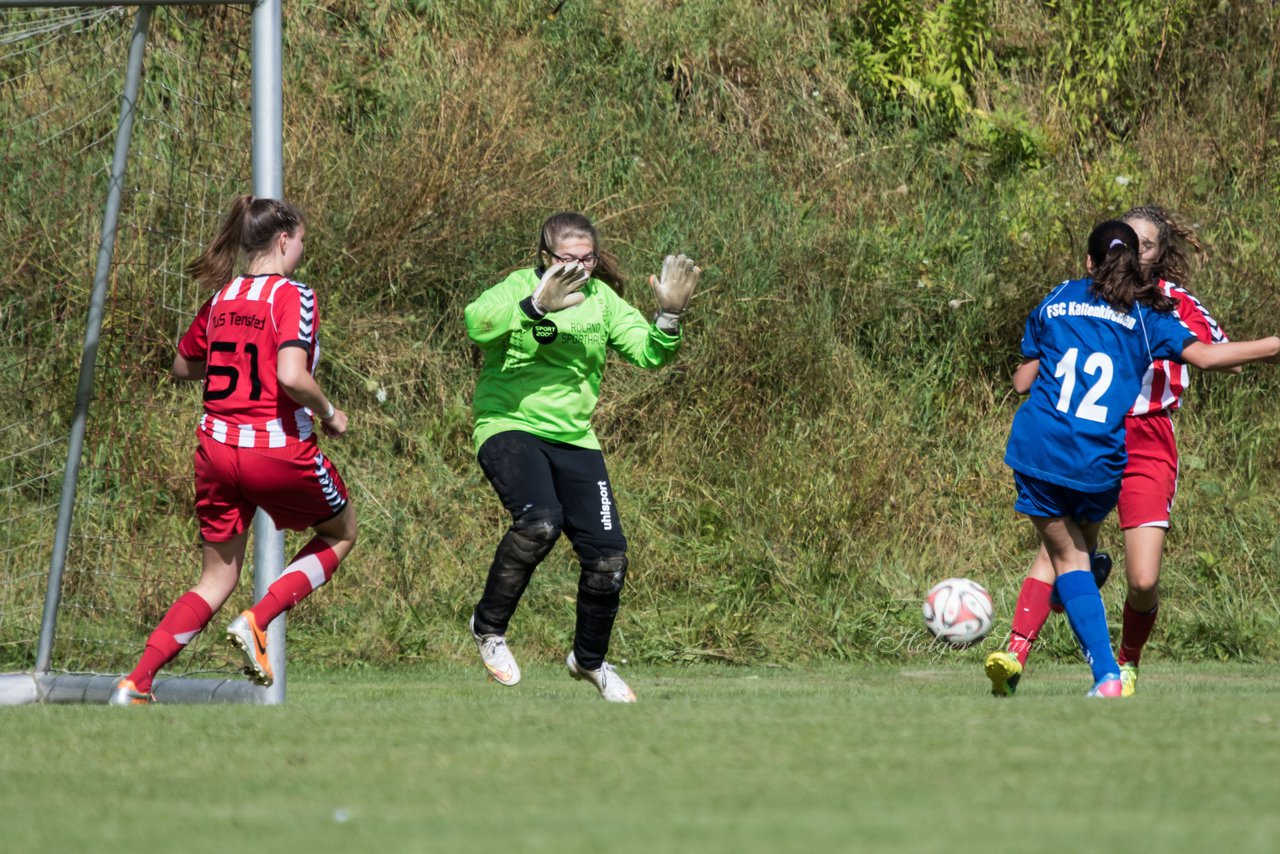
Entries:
{"x":586,"y":260}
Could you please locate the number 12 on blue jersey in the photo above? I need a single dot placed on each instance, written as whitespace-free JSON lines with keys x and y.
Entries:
{"x":1097,"y":364}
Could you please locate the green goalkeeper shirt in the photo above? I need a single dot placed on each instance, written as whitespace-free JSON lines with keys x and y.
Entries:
{"x":542,"y":376}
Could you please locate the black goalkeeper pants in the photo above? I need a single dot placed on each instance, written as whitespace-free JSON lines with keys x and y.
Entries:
{"x":552,"y":488}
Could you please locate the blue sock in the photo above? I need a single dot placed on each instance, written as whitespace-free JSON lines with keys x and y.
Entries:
{"x":1083,"y":603}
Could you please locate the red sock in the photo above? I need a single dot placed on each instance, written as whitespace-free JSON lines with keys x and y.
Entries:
{"x":182,"y":622}
{"x":309,"y":569}
{"x":1029,"y":617}
{"x":1134,"y":632}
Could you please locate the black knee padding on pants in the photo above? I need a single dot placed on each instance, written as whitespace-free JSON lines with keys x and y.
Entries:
{"x":599,"y":591}
{"x":528,"y":540}
{"x":523,"y":547}
{"x":604,"y":577}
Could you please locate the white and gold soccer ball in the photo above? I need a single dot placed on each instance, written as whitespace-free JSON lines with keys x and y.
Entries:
{"x":958,"y":612}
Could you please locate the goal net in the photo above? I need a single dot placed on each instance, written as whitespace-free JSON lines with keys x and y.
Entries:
{"x":128,"y":547}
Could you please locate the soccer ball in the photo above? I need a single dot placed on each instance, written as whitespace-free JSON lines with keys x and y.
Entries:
{"x":958,"y":611}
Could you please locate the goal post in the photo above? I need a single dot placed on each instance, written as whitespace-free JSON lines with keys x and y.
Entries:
{"x":268,"y":183}
{"x":49,"y":680}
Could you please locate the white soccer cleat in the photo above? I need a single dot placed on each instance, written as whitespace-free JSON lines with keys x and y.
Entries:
{"x":245,"y":635}
{"x":606,"y":680}
{"x":496,"y":656}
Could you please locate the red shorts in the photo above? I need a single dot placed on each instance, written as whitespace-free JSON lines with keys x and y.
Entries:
{"x":296,"y":485}
{"x":1151,"y":475}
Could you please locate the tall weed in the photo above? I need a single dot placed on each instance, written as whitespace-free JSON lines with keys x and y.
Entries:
{"x":877,"y":192}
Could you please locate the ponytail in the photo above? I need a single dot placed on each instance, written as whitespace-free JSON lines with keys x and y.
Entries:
{"x":212,"y":268}
{"x":1117,"y":273}
{"x":249,"y":226}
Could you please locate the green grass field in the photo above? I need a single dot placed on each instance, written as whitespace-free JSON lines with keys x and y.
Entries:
{"x":712,"y":759}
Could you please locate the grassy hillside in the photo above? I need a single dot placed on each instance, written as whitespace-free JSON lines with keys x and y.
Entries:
{"x":877,"y":190}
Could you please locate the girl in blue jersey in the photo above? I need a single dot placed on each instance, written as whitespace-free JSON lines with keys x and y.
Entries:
{"x":1086,"y":347}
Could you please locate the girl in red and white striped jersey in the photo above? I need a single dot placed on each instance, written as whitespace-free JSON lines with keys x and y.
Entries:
{"x":255,"y":345}
{"x":1166,"y":246}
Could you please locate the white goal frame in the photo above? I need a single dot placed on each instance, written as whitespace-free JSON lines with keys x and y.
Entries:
{"x":41,"y":685}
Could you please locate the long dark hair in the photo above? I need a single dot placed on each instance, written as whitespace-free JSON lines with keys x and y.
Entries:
{"x":1181,"y":251}
{"x":250,"y":226}
{"x":567,"y":225}
{"x":1117,"y":273}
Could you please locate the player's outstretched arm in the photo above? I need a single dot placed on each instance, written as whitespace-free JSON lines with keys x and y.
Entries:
{"x":1221,"y":356}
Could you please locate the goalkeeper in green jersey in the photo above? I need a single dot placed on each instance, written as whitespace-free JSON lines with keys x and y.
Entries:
{"x":545,"y":332}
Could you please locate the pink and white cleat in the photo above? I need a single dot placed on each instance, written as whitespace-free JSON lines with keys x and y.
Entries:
{"x":1108,"y":686}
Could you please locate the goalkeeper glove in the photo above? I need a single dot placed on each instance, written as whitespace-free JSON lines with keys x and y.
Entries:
{"x":560,"y":288}
{"x":673,"y":289}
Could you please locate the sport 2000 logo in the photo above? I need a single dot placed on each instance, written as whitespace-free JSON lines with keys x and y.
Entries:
{"x":545,"y":332}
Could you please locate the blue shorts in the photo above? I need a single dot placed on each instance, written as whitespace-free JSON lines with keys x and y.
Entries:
{"x":1047,"y":500}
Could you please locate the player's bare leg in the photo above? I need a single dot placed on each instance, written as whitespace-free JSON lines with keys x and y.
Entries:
{"x":1144,"y":552}
{"x":220,"y":565}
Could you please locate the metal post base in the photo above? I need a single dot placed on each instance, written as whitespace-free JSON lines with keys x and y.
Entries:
{"x":18,"y":689}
